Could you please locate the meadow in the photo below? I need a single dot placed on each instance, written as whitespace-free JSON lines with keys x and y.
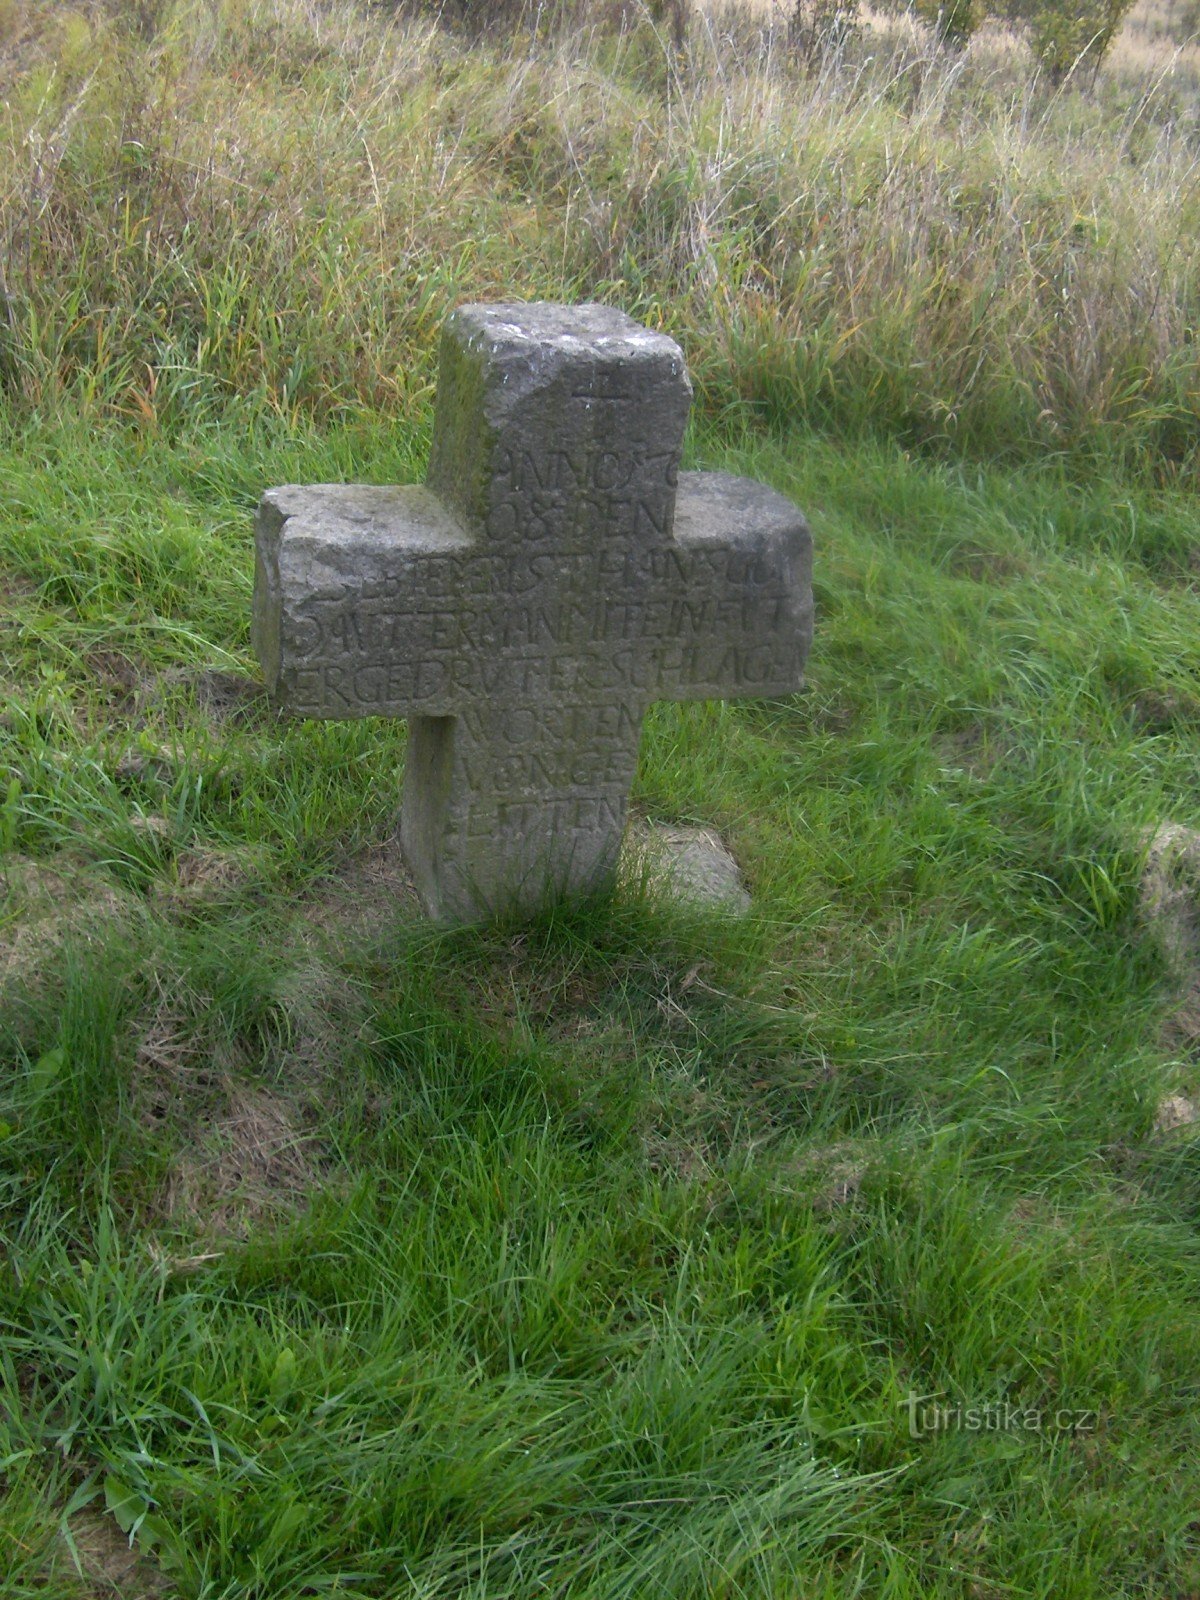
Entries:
{"x":849,"y":1250}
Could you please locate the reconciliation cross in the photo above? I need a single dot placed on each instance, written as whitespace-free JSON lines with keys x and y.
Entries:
{"x":554,"y":575}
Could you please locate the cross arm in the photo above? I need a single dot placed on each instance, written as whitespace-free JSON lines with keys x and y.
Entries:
{"x":741,"y":596}
{"x":354,"y":590}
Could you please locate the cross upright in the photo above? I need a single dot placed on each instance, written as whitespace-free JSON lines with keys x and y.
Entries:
{"x":554,"y":575}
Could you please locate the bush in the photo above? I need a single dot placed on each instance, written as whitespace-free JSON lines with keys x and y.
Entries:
{"x":819,"y":27}
{"x":954,"y":20}
{"x":1065,"y":38}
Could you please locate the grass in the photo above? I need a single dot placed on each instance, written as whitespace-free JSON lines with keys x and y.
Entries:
{"x":626,"y":1253}
{"x":271,"y":205}
{"x":601,"y":1257}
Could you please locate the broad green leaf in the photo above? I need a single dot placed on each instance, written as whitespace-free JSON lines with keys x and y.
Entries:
{"x":47,"y":1068}
{"x":126,"y":1504}
{"x":283,"y":1378}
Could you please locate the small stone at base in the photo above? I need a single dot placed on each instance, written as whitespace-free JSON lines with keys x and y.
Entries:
{"x":688,"y":865}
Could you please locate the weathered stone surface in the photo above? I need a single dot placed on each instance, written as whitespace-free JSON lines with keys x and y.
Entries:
{"x":555,"y":574}
{"x":1174,"y":1112}
{"x":1170,"y":896}
{"x":689,"y":865}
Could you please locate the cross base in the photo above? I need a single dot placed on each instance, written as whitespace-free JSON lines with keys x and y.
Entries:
{"x":519,"y":846}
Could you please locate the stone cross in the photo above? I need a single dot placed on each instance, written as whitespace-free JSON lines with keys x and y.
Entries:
{"x":555,"y":574}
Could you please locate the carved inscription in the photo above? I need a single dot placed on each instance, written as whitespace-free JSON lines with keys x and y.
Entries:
{"x":626,"y":618}
{"x":329,"y":630}
{"x":582,"y":814}
{"x":558,"y":497}
{"x":590,"y":472}
{"x":699,"y":671}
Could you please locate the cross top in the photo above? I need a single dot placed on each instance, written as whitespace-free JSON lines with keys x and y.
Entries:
{"x":555,"y":574}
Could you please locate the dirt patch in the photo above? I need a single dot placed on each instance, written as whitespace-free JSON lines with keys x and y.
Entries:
{"x":220,"y":695}
{"x":981,"y":565}
{"x":244,"y":1111}
{"x":106,"y":1564}
{"x":830,"y":1178}
{"x":13,"y":586}
{"x":208,"y":877}
{"x":1032,"y":1215}
{"x":187,"y":1066}
{"x":1181,"y":1028}
{"x":811,"y":710}
{"x":968,"y":751}
{"x":167,"y":1041}
{"x":834,"y":715}
{"x":116,"y":675}
{"x":145,"y":762}
{"x":841,"y":1170}
{"x":147,"y":767}
{"x":321,"y":1015}
{"x":230,"y":696}
{"x":367,"y":893}
{"x":254,"y":1165}
{"x":671,"y":1155}
{"x":46,"y":883}
{"x":1153,"y":712}
{"x":153,"y":826}
{"x":44,"y":903}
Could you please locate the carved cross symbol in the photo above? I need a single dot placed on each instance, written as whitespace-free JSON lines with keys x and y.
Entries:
{"x":554,"y":575}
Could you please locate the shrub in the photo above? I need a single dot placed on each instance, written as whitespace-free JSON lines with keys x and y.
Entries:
{"x":1066,"y":37}
{"x":820,"y":27}
{"x":953,"y":20}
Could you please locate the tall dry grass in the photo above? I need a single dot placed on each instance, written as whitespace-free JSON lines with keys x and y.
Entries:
{"x":272,"y":203}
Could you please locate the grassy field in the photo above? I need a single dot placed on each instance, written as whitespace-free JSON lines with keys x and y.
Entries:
{"x":851,"y":1250}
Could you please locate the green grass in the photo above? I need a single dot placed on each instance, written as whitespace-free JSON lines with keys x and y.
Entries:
{"x":600,"y":1258}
